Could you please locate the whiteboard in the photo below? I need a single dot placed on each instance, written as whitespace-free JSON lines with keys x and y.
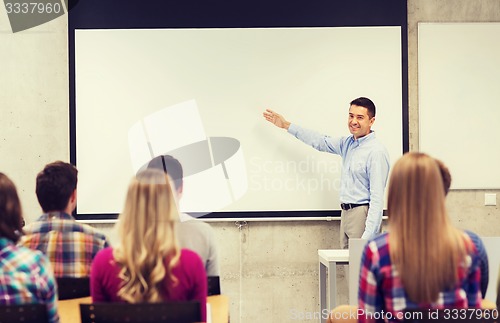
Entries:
{"x":125,"y":76}
{"x":458,"y":83}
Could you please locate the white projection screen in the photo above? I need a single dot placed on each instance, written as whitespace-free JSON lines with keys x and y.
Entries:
{"x":459,"y":71}
{"x":199,"y":93}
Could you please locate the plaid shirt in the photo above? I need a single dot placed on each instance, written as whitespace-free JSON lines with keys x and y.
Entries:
{"x":381,"y":289}
{"x":483,"y":261}
{"x":25,"y":278}
{"x":69,"y":245}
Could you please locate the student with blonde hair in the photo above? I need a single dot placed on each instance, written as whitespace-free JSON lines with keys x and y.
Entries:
{"x":192,"y":233}
{"x":423,"y":261}
{"x":148,"y":265}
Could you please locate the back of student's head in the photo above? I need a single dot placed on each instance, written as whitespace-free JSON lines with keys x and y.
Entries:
{"x":445,"y":175}
{"x":424,"y":246}
{"x":11,"y":221}
{"x":55,"y":184}
{"x":416,"y":186}
{"x":169,"y":165}
{"x":147,"y":232}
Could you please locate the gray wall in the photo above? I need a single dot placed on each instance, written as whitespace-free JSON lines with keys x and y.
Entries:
{"x":269,"y":269}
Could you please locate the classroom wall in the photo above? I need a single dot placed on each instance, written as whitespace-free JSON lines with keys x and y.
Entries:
{"x":269,"y":269}
{"x":34,"y":115}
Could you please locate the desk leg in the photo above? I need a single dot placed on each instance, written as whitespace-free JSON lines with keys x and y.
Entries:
{"x":332,"y":285}
{"x":322,"y":290}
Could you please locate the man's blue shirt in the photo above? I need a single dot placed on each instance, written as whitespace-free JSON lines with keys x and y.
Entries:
{"x":365,"y":168}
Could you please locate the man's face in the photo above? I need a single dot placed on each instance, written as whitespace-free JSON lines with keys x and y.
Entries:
{"x":359,"y":122}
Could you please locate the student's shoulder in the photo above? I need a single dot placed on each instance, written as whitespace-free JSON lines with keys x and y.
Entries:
{"x":104,"y":254}
{"x":88,"y":229}
{"x":188,"y":254}
{"x":380,"y":239}
{"x":378,"y":243}
{"x":196,"y":224}
{"x":20,"y":250}
{"x":189,"y":257}
{"x":376,"y":252}
{"x":26,"y":259}
{"x":36,"y":226}
{"x":476,"y":240}
{"x":473,"y":236}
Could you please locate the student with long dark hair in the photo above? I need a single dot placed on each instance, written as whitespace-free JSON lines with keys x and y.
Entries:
{"x":25,"y":275}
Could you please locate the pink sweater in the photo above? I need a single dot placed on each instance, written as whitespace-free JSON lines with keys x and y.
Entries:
{"x":190,"y":273}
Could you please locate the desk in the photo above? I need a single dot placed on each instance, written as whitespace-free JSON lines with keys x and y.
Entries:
{"x":330,"y":259}
{"x":219,"y":305}
{"x":69,"y":310}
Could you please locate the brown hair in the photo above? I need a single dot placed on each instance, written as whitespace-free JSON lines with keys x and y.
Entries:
{"x":445,"y":176}
{"x":55,"y":184}
{"x":365,"y":103}
{"x":11,"y":221}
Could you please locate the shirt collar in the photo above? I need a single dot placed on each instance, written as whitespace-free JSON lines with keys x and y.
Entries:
{"x":56,"y":215}
{"x":366,"y":138}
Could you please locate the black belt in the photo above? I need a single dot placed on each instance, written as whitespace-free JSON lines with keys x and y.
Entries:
{"x":348,"y":206}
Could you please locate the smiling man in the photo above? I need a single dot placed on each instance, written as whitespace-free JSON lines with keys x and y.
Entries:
{"x":365,"y":168}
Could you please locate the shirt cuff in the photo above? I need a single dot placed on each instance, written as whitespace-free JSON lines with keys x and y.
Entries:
{"x":293,"y":129}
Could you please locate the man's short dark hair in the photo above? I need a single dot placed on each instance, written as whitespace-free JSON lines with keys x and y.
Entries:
{"x":169,"y":165}
{"x":55,"y":184}
{"x":365,"y":103}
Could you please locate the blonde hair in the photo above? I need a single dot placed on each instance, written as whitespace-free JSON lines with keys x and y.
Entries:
{"x":425,"y":247}
{"x":149,"y":248}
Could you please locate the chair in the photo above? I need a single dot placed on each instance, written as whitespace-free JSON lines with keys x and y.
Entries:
{"x":32,"y":313}
{"x":72,"y":287}
{"x":168,"y":312}
{"x":213,"y":285}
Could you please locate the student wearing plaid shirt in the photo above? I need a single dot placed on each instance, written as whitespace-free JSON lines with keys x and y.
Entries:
{"x":478,"y":243}
{"x":69,"y":245}
{"x":25,"y":275}
{"x":423,"y":262}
